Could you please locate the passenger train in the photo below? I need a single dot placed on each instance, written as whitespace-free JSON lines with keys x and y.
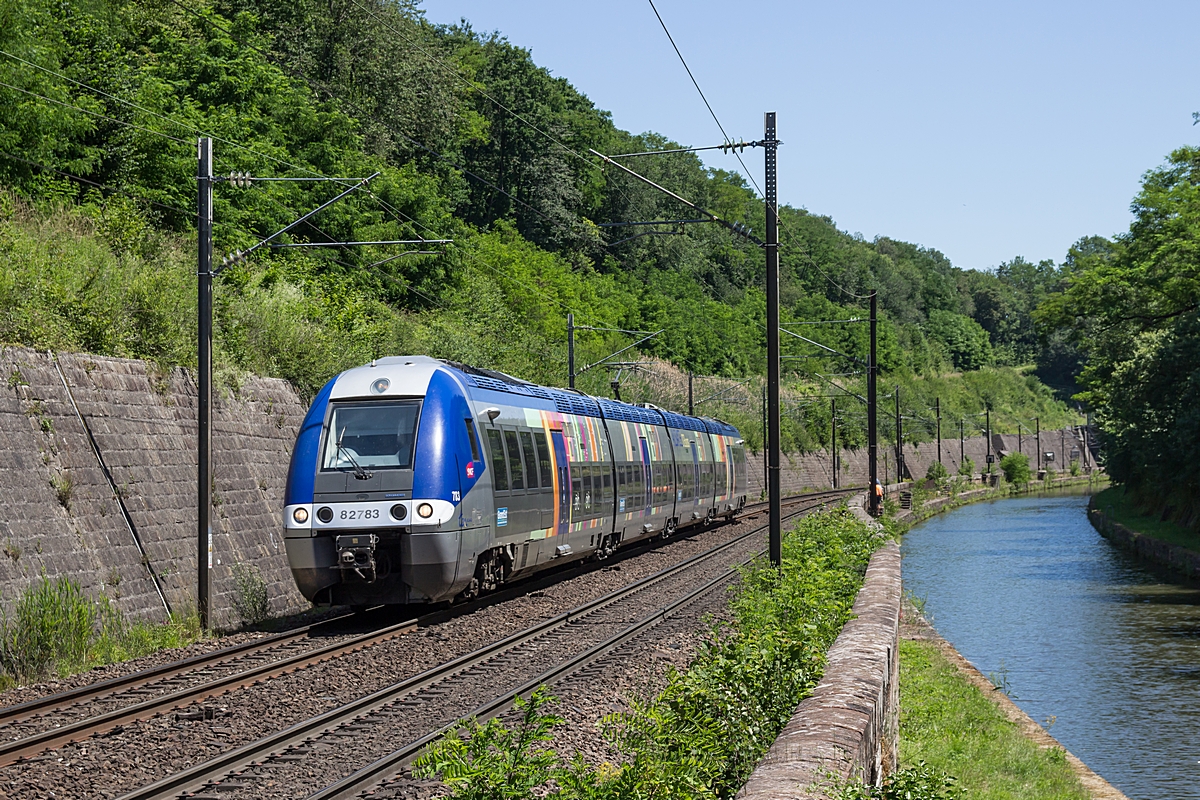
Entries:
{"x":415,"y":480}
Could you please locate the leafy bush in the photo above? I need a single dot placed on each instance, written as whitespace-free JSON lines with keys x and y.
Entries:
{"x":250,"y":598}
{"x":1075,"y":468}
{"x":1016,"y":468}
{"x":967,"y":468}
{"x":937,"y":471}
{"x":921,"y":782}
{"x":702,"y":736}
{"x":489,"y":761}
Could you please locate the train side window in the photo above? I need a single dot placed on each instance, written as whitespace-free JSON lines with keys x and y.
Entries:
{"x":531,"y":470}
{"x":621,"y":477}
{"x":474,"y":441}
{"x":608,"y":488}
{"x":499,"y":469}
{"x":543,"y":456}
{"x":515,"y":471}
{"x":588,"y":472}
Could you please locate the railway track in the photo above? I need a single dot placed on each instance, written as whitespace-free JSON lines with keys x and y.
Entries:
{"x":50,"y":722}
{"x":421,"y":708}
{"x":292,"y":651}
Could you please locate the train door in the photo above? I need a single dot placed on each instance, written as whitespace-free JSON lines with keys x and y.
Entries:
{"x":647,"y":480}
{"x":729,"y":485}
{"x":695,"y":474}
{"x":564,"y":481}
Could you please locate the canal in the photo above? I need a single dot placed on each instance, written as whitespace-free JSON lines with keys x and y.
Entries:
{"x":1096,"y":646}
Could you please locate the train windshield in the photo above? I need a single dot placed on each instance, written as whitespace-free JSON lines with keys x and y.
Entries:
{"x":376,"y":435}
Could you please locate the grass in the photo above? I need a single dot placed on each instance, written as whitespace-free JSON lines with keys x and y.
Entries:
{"x":1122,"y":508}
{"x":951,"y":726}
{"x":55,"y":630}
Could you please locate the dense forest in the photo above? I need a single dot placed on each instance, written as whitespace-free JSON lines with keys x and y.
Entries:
{"x":101,"y":103}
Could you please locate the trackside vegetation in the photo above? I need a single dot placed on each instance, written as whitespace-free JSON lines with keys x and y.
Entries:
{"x":54,"y":630}
{"x":702,"y":735}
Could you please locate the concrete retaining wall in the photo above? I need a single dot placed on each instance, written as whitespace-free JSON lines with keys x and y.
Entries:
{"x":848,"y":728}
{"x":98,"y":481}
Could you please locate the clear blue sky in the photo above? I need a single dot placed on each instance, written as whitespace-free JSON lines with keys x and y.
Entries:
{"x":985,"y":130}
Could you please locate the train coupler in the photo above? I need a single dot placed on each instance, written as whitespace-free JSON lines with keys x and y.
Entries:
{"x":356,"y":552}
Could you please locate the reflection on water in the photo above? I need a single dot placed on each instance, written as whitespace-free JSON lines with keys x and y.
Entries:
{"x":1103,"y":643}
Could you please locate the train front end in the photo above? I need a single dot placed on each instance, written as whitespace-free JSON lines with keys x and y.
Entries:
{"x":381,"y":473}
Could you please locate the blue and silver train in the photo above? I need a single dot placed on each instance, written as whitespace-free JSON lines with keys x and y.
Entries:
{"x":415,"y":480}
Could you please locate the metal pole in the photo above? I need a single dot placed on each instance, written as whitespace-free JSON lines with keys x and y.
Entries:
{"x":1062,"y":444}
{"x":833,"y":446}
{"x":690,"y":406}
{"x":872,"y":429}
{"x":962,"y":444}
{"x":772,"y":247}
{"x":204,"y":277}
{"x":899,"y":442}
{"x":1020,"y":441}
{"x":571,"y":350}
{"x":1037,"y":428}
{"x":988,"y":411}
{"x":937,"y":403}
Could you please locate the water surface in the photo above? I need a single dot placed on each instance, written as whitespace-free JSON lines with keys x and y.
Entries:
{"x":1104,"y":646}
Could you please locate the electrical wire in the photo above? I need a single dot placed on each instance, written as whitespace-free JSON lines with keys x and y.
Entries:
{"x":92,"y":113}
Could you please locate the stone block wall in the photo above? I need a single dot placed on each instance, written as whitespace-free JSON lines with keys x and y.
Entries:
{"x":848,"y":728}
{"x":98,"y":482}
{"x":815,"y":470}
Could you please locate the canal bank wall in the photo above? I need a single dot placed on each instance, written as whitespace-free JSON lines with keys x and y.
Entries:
{"x":936,"y":505}
{"x":848,"y":729}
{"x":1179,"y":559}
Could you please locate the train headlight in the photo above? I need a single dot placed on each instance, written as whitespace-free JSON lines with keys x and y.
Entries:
{"x":399,"y":511}
{"x":425,"y":510}
{"x":325,"y":514}
{"x":300,"y":515}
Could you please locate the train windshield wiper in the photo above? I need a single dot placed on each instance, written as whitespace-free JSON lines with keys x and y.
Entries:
{"x":359,"y":473}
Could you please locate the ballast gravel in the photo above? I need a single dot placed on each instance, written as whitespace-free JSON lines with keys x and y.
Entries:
{"x":109,"y":765}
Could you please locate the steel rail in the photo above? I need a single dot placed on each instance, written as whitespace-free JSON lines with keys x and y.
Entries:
{"x":29,"y":746}
{"x":211,"y":772}
{"x":95,"y":691}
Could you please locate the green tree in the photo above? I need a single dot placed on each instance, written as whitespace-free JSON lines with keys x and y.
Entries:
{"x":1016,"y":468}
{"x":965,"y":339}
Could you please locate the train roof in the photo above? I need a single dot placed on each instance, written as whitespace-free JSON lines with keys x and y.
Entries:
{"x":570,"y":401}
